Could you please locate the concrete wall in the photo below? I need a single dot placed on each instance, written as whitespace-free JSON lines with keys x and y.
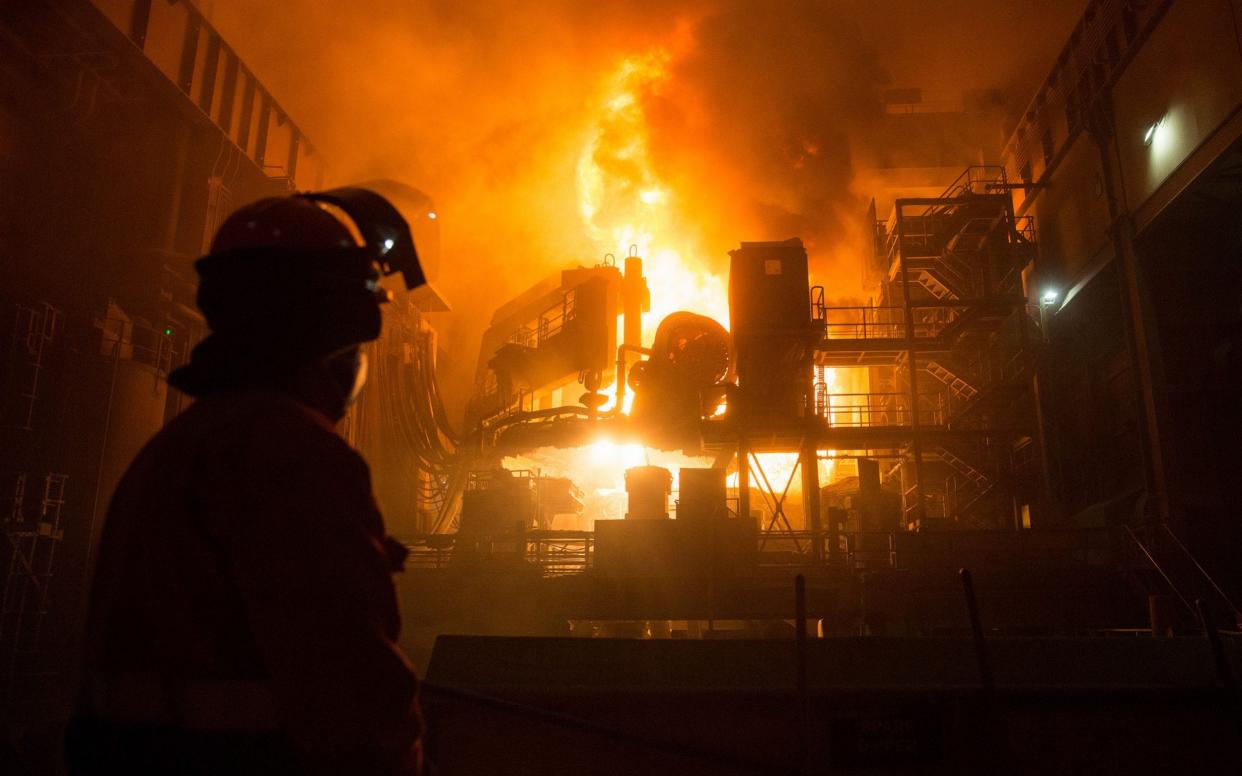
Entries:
{"x":1187,"y":81}
{"x":1071,"y":213}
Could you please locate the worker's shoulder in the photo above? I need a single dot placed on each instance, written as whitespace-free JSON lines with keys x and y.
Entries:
{"x":272,"y":425}
{"x":278,"y":408}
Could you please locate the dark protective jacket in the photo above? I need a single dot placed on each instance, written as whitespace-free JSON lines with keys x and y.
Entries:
{"x":244,"y":586}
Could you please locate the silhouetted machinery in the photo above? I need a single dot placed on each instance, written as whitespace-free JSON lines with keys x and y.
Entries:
{"x":769,"y":350}
{"x":499,"y":500}
{"x":703,"y":542}
{"x":558,"y":339}
{"x":861,"y":505}
{"x":690,"y":355}
{"x":702,"y":494}
{"x":648,"y":488}
{"x":561,"y":333}
{"x":500,"y":506}
{"x":574,"y":334}
{"x":770,"y":311}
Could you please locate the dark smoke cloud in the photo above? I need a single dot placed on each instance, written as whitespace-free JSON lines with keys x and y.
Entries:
{"x":770,"y":96}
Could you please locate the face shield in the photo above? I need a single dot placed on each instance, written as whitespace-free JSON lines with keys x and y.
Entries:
{"x":292,"y":280}
{"x":383,"y":229}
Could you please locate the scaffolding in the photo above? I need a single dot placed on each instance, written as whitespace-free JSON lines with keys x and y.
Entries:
{"x":32,"y":334}
{"x":31,"y":543}
{"x":949,"y":350}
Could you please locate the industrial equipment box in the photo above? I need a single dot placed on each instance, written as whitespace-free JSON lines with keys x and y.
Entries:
{"x":769,"y":288}
{"x":772,"y":328}
{"x":676,"y":549}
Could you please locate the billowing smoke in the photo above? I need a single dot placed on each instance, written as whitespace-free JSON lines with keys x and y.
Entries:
{"x":756,"y":123}
{"x":488,"y":106}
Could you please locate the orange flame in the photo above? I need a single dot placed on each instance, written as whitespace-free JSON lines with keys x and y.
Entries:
{"x":625,"y":206}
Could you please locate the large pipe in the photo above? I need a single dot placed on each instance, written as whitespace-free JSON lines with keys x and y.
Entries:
{"x":633,"y":300}
{"x":622,"y":371}
{"x":810,"y":497}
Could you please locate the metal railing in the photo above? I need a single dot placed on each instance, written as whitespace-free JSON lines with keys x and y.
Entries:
{"x":548,"y":324}
{"x":126,"y":340}
{"x":556,"y":553}
{"x":564,"y":553}
{"x":950,"y":549}
{"x":934,"y":506}
{"x":861,"y":323}
{"x":884,"y":323}
{"x":976,"y":179}
{"x":861,"y":410}
{"x":1024,"y":226}
{"x":938,"y":232}
{"x":1181,"y":571}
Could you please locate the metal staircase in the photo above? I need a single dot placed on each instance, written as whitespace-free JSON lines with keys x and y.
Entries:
{"x":959,"y":386}
{"x":973,"y":235}
{"x":967,"y":488}
{"x":963,"y":467}
{"x":949,"y":288}
{"x":933,"y":285}
{"x":975,"y":499}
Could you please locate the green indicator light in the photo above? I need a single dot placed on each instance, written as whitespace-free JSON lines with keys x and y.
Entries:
{"x":167,"y":331}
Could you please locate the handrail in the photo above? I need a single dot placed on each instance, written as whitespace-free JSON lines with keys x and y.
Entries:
{"x":885,"y":322}
{"x":1159,"y":569}
{"x":549,"y":322}
{"x":975,"y":173}
{"x":857,"y":410}
{"x":133,"y":341}
{"x":1203,"y":571}
{"x":562,"y":553}
{"x":819,"y":308}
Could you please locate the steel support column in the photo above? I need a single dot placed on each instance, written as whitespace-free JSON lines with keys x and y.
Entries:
{"x":916,"y":443}
{"x":1139,"y":319}
{"x":810,"y":495}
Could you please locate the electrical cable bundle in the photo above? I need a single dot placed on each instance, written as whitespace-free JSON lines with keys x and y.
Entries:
{"x":410,"y":406}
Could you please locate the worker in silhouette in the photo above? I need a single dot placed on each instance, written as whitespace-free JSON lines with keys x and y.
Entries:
{"x":243,"y":617}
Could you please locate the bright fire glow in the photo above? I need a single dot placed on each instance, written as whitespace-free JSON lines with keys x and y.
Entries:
{"x":625,"y":206}
{"x":608,"y":453}
{"x":599,"y":472}
{"x":626,"y":209}
{"x":779,"y":467}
